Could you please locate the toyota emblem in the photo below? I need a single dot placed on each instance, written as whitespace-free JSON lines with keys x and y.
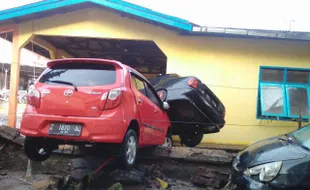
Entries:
{"x":68,"y":92}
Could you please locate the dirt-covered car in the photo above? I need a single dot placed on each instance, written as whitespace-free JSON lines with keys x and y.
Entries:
{"x":194,"y":109}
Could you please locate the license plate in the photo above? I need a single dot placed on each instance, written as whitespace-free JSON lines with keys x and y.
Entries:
{"x":65,"y":129}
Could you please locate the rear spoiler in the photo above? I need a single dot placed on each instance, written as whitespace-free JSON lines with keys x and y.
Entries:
{"x":93,"y":60}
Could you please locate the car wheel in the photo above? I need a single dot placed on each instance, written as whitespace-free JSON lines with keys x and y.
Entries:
{"x":35,"y":150}
{"x":129,"y":148}
{"x":191,"y":139}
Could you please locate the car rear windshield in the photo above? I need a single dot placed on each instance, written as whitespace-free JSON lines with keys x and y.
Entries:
{"x":81,"y":74}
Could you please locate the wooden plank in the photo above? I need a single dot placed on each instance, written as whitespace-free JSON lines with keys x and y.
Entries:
{"x":190,"y":154}
{"x":8,"y":133}
{"x":19,"y":140}
{"x":200,"y":155}
{"x":227,"y":147}
{"x":208,"y":156}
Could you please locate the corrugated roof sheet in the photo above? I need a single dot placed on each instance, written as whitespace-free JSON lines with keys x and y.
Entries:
{"x":278,"y":34}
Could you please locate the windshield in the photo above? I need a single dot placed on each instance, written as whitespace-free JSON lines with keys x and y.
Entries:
{"x":302,"y":136}
{"x":80,"y":74}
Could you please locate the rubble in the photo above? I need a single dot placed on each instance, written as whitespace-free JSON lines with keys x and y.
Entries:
{"x":116,"y":186}
{"x":11,"y":134}
{"x":162,"y":168}
{"x":128,"y":177}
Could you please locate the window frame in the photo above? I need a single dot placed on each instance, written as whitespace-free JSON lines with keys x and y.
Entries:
{"x":136,"y":85}
{"x":159,"y":102}
{"x":147,"y":84}
{"x":285,"y":85}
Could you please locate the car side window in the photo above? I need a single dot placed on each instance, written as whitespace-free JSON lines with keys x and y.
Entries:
{"x":139,"y":84}
{"x":150,"y":94}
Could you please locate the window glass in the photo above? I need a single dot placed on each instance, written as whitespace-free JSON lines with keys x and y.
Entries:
{"x":298,"y":100}
{"x":151,"y":95}
{"x":139,"y":84}
{"x":272,"y":99}
{"x":81,"y":74}
{"x":297,"y":76}
{"x":272,"y":75}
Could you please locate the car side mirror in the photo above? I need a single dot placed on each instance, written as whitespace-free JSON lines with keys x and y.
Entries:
{"x":166,"y":106}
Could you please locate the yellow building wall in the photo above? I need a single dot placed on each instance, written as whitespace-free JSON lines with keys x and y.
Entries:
{"x":229,"y":66}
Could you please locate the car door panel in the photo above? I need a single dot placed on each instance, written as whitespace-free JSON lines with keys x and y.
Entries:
{"x":160,"y":121}
{"x":145,"y":110}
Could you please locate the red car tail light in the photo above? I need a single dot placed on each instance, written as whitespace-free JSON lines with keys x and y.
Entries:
{"x":34,"y":96}
{"x":111,"y":99}
{"x":192,"y":82}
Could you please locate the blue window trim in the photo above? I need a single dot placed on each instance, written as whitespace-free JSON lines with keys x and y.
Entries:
{"x":260,"y":114}
{"x":288,"y":99}
{"x":41,"y":6}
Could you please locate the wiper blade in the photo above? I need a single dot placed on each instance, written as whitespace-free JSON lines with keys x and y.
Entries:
{"x":65,"y":82}
{"x":286,"y":138}
{"x":282,"y":138}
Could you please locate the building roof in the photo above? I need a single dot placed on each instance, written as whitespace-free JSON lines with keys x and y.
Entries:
{"x":40,"y":7}
{"x":251,"y":33}
{"x":48,"y":7}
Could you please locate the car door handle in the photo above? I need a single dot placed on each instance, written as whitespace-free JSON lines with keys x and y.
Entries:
{"x":139,"y":101}
{"x":155,"y":111}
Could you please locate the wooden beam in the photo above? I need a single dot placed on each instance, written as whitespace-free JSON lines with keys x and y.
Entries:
{"x":194,"y":155}
{"x":8,"y":28}
{"x":54,"y":52}
{"x":14,"y":79}
{"x":103,"y":52}
{"x":190,"y":155}
{"x":60,"y":53}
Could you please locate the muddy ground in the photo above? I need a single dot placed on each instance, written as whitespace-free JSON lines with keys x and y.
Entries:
{"x":71,"y":172}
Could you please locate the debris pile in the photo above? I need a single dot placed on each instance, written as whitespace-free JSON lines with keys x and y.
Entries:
{"x":161,"y":168}
{"x":210,"y":179}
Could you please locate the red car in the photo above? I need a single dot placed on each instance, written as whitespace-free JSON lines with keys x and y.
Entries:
{"x":93,"y":101}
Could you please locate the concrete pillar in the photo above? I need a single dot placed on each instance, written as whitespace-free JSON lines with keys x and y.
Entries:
{"x":14,"y":80}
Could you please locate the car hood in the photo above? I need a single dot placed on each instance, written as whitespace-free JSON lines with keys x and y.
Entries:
{"x":270,"y":150}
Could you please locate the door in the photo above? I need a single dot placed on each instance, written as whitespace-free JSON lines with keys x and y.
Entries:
{"x":147,"y":111}
{"x":161,"y":121}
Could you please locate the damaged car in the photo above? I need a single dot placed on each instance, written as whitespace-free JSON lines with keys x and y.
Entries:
{"x":194,"y":109}
{"x":93,"y":102}
{"x":281,"y":162}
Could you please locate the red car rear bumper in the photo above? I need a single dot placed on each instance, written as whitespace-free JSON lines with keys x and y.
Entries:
{"x":97,"y":130}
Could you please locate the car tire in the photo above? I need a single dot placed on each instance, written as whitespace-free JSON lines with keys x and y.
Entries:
{"x":32,"y":148}
{"x":128,"y":152}
{"x":191,"y":139}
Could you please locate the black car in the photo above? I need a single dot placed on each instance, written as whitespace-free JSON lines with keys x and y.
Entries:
{"x":281,"y":162}
{"x":194,"y":108}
